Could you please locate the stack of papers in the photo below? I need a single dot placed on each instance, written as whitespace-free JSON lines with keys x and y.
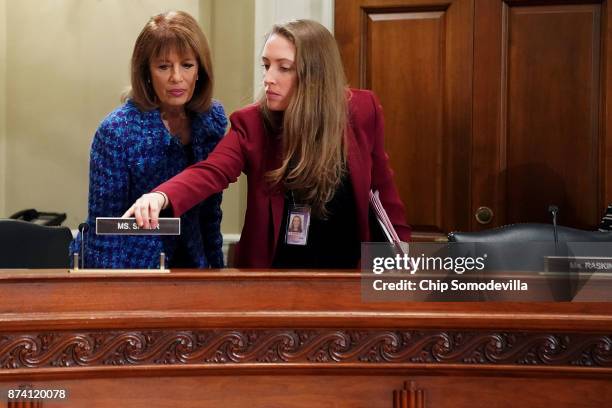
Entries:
{"x":383,"y":219}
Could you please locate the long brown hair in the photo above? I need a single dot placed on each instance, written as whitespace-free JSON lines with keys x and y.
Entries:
{"x":314,"y":123}
{"x":178,"y":31}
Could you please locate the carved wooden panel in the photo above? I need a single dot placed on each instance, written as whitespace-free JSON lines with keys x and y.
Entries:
{"x":281,"y":346}
{"x":262,"y":339}
{"x":409,"y":397}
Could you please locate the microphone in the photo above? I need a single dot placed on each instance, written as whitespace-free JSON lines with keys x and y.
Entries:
{"x":83,"y":228}
{"x":554,"y":210}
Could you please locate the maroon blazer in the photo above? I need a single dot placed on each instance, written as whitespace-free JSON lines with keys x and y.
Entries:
{"x":250,"y":149}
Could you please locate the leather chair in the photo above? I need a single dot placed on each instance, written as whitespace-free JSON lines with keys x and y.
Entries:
{"x":527,"y":247}
{"x":27,"y":245}
{"x":530,"y":233}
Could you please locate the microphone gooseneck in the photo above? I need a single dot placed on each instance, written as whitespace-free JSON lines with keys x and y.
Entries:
{"x":83,"y":228}
{"x":554,"y":210}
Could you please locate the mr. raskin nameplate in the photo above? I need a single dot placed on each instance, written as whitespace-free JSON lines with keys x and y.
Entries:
{"x":128,"y":226}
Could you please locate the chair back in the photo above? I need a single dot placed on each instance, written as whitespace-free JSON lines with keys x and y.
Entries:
{"x":526,"y":245}
{"x":28,"y":245}
{"x":530,"y":233}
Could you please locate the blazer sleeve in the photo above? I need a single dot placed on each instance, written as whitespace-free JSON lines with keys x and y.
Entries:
{"x":382,"y":176}
{"x":210,"y":176}
{"x":210,"y":211}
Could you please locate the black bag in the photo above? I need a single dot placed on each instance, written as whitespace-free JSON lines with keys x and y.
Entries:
{"x":48,"y":219}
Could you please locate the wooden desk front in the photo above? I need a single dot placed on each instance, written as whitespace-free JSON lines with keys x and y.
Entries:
{"x":291,"y":339}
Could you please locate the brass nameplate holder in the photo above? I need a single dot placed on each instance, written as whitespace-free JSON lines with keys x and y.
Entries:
{"x":128,"y":226}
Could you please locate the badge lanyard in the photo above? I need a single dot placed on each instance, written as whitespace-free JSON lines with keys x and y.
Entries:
{"x":298,"y":223}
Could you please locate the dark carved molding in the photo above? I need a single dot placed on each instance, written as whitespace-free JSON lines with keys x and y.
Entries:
{"x":409,"y":397}
{"x":279,"y":346}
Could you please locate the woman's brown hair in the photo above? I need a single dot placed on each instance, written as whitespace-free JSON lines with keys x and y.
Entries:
{"x":171,"y":31}
{"x":314,"y":123}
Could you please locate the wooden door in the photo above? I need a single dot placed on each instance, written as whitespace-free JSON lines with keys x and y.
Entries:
{"x":416,"y":55}
{"x":540,"y":111}
{"x":488,"y":103}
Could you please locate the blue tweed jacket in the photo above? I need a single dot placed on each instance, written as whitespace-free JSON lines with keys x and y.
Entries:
{"x":132,"y":153}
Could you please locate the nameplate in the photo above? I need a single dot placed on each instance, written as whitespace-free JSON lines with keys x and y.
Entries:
{"x":581,"y":264}
{"x":128,"y":226}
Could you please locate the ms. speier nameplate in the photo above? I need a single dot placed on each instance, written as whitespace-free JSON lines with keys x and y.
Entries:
{"x":128,"y":226}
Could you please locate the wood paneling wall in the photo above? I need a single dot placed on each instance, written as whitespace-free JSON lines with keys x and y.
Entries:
{"x":488,"y":103}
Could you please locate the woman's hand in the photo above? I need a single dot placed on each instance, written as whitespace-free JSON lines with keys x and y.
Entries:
{"x":146,"y":209}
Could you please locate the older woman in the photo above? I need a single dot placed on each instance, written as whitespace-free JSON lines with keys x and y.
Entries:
{"x":167,"y":123}
{"x":310,"y":148}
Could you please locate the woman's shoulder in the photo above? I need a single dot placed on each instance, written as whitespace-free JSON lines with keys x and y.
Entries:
{"x":249,"y":116}
{"x":122,"y":116}
{"x":125,"y":127}
{"x":363,"y":106}
{"x":214,"y":119}
{"x":251,"y":110}
{"x":361,"y":98}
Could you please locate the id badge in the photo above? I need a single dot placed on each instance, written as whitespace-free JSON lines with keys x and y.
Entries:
{"x":298,"y":223}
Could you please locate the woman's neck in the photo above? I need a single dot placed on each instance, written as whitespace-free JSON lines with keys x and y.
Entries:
{"x":173,"y":113}
{"x":177,"y":122}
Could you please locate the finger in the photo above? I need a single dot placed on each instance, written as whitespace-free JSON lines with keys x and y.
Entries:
{"x":144,"y":213}
{"x":128,"y":213}
{"x":154,"y":214}
{"x":137,"y":214}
